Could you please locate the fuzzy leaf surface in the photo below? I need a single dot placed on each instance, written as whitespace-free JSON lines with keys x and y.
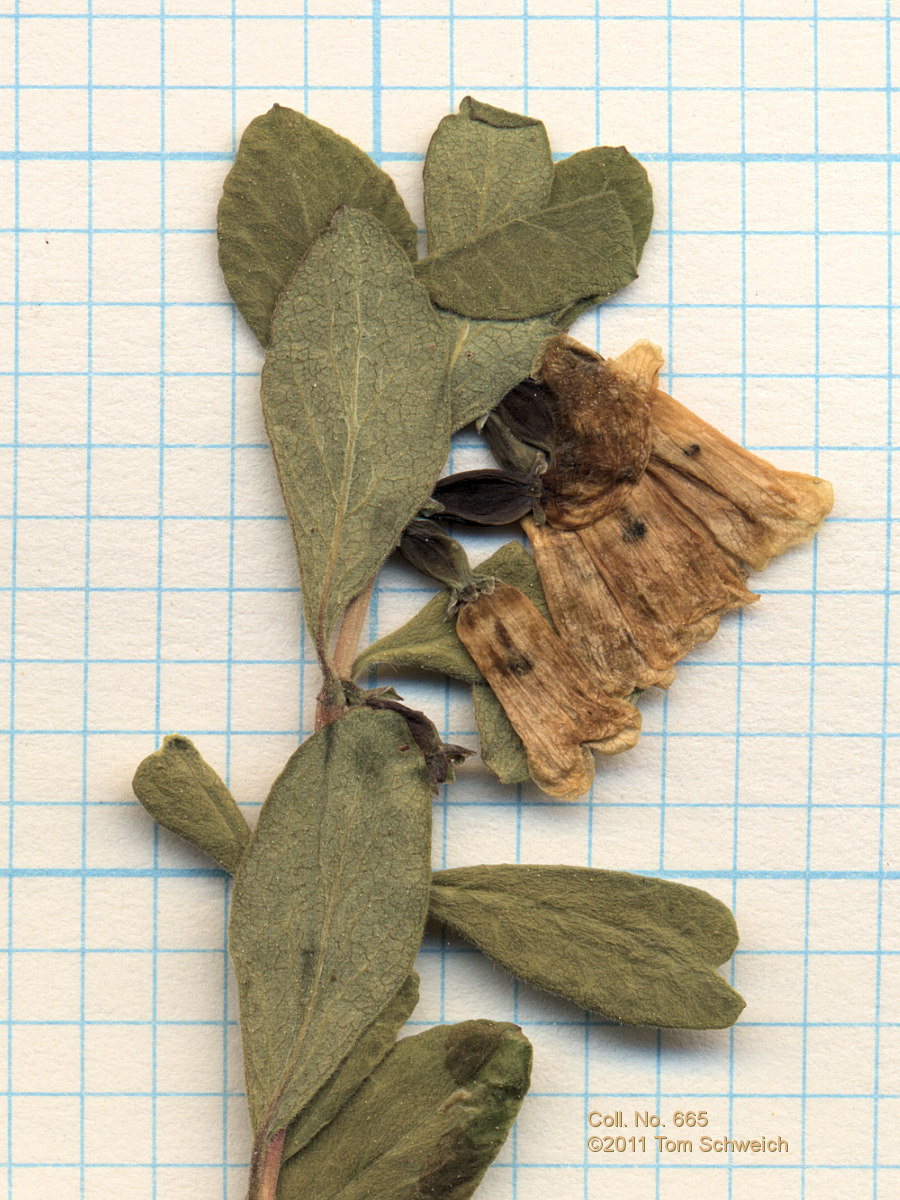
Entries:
{"x":184,"y":794}
{"x":329,"y":906}
{"x":429,"y":640}
{"x":354,"y":396}
{"x":608,"y":168}
{"x":487,"y":358}
{"x":502,"y":750}
{"x":484,"y":167}
{"x":536,"y":264}
{"x":597,"y":172}
{"x":642,"y":951}
{"x":374,"y":1043}
{"x":289,"y":176}
{"x":425,"y":1125}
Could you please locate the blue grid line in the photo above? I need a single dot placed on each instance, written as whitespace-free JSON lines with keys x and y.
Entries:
{"x":12,"y":634}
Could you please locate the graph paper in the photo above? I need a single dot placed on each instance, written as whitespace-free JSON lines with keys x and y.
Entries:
{"x":149,"y":585}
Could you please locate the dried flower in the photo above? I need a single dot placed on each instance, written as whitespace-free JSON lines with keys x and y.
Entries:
{"x":631,"y":593}
{"x":554,"y":703}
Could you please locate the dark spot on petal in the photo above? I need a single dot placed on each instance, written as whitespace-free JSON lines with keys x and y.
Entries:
{"x":513,"y":658}
{"x":633,"y":530}
{"x":692,"y":450}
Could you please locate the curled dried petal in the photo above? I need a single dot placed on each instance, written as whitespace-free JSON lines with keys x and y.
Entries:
{"x":752,"y":509}
{"x":602,"y":433}
{"x":555,"y":705}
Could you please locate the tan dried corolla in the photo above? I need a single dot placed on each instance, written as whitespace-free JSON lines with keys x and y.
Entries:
{"x":632,"y":592}
{"x":555,"y":704}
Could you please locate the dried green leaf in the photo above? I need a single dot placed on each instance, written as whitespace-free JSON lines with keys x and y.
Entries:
{"x":373,"y":1044}
{"x":354,"y":395}
{"x":429,"y":641}
{"x":502,"y":750}
{"x":537,"y":264}
{"x":289,"y":175}
{"x":487,"y":358}
{"x":184,"y":794}
{"x":603,"y":168}
{"x":426,"y":1123}
{"x":596,"y":172}
{"x":484,"y":167}
{"x":329,"y":906}
{"x":640,"y":950}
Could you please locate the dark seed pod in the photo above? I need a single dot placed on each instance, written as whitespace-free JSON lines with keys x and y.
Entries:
{"x":487,"y":497}
{"x":510,"y":451}
{"x":527,"y":412}
{"x":435,"y":553}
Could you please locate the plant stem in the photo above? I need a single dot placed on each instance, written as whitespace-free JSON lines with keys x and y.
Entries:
{"x":265,"y":1167}
{"x":330,"y":702}
{"x":351,"y":627}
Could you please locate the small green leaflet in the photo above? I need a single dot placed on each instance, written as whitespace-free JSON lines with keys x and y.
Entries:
{"x":502,"y":750}
{"x":536,"y":264}
{"x":594,"y":172}
{"x":329,"y":906}
{"x":425,"y":1125}
{"x":484,"y":167}
{"x":184,"y":794}
{"x":354,"y":396}
{"x":642,"y":951}
{"x":289,"y":176}
{"x":429,"y":641}
{"x":374,"y":1043}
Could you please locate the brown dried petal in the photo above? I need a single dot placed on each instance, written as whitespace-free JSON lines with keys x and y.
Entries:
{"x":586,"y":614}
{"x":554,"y":704}
{"x":753,"y":510}
{"x":602,"y":433}
{"x":668,"y":577}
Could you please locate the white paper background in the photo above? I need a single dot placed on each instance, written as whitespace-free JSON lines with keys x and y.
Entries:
{"x":148,"y":580}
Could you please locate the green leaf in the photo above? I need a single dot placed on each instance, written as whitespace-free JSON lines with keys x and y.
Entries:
{"x":596,"y":172}
{"x":602,"y":169}
{"x":425,"y":1125}
{"x":502,"y":750}
{"x":374,"y":1043}
{"x":329,"y":906}
{"x":484,"y":167}
{"x":354,"y":395}
{"x":184,"y":794}
{"x":487,"y":358}
{"x":289,"y":176}
{"x":429,"y":641}
{"x":642,"y":951}
{"x":536,"y":264}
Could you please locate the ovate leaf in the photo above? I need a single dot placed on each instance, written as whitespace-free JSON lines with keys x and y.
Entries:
{"x":608,"y":168}
{"x":487,"y":358}
{"x":354,"y":395}
{"x":484,"y":167}
{"x":425,"y":1125}
{"x":596,"y":172}
{"x":429,"y":641}
{"x":373,"y":1044}
{"x":184,"y":794}
{"x":536,"y":264}
{"x":642,"y":951}
{"x":289,"y":175}
{"x":329,"y":905}
{"x":502,"y":749}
